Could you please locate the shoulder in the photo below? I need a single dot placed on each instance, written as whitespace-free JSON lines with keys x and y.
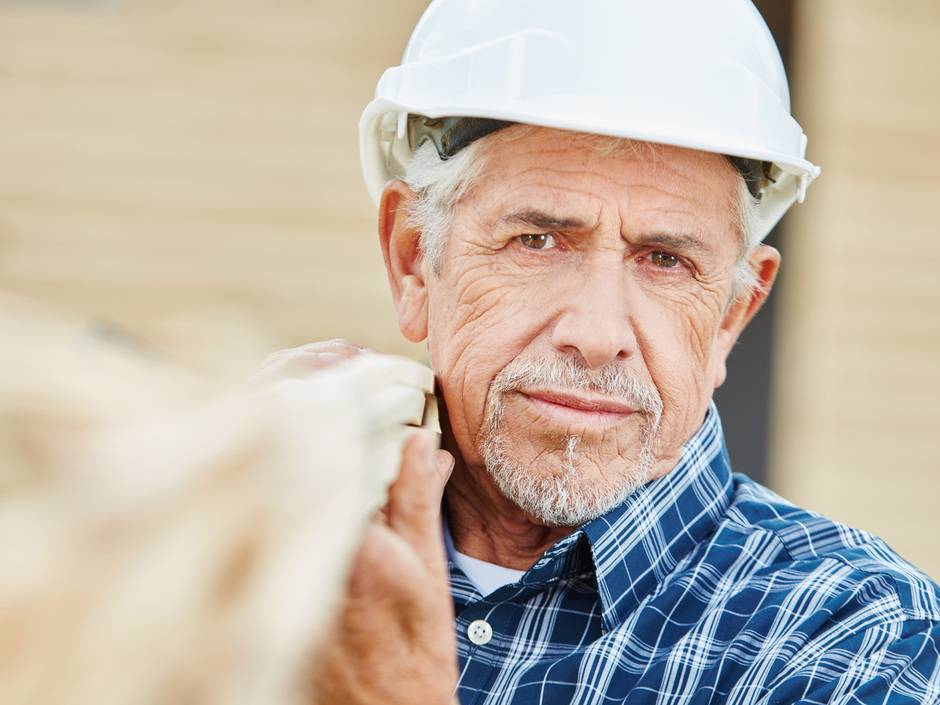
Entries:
{"x":838,"y":559}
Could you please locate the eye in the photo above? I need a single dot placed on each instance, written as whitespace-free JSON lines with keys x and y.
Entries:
{"x":664,"y":260}
{"x":537,"y":241}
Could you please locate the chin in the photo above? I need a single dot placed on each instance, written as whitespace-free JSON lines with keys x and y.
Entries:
{"x":562,"y":487}
{"x":562,"y":473}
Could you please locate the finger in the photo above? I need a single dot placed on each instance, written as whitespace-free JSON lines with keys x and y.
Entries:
{"x":414,"y":505}
{"x":342,"y":348}
{"x":384,"y":568}
{"x":380,"y":515}
{"x":298,"y":362}
{"x":334,"y":345}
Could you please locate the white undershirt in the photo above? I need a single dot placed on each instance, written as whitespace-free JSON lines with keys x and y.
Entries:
{"x":486,"y":577}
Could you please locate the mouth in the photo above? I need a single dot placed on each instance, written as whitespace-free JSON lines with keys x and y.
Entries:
{"x":570,"y":409}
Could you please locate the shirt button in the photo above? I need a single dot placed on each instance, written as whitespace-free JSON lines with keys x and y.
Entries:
{"x":480,"y":632}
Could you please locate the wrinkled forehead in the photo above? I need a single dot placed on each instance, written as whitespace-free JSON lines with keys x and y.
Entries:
{"x":591,"y":177}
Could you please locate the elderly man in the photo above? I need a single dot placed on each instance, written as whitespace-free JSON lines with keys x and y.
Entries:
{"x":572,"y":202}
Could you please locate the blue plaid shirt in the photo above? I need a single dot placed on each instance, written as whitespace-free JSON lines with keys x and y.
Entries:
{"x":704,"y":587}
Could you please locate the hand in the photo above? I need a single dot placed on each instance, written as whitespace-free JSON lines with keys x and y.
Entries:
{"x":393,"y":642}
{"x":300,"y":361}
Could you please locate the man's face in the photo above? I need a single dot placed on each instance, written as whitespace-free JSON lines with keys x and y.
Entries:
{"x":578,"y":321}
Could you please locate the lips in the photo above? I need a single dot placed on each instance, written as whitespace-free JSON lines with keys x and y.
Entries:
{"x":574,"y":409}
{"x":598,"y":404}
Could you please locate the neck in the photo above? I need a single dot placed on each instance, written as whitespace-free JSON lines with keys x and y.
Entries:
{"x":483,"y":523}
{"x":486,"y":526}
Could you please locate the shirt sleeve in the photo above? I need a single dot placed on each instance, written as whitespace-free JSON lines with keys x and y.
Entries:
{"x":896,"y":663}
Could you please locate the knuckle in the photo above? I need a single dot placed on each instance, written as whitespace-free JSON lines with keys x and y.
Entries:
{"x":274,"y":358}
{"x":425,"y":504}
{"x":373,"y":549}
{"x":332,"y":345}
{"x":413,"y":499}
{"x":312,"y":355}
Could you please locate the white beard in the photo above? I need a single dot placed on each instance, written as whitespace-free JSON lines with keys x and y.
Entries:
{"x":560,"y":496}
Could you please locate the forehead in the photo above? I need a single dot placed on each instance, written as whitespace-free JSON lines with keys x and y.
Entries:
{"x":587,"y":177}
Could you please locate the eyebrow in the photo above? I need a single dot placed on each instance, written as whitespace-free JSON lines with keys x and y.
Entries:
{"x":670,"y":241}
{"x":540,"y":220}
{"x":543,"y":221}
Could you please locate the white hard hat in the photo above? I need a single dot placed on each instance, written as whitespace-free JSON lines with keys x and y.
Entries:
{"x":690,"y":73}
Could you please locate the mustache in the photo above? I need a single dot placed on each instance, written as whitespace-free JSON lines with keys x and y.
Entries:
{"x":567,"y":373}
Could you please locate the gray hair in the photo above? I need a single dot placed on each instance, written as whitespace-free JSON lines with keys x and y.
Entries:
{"x":440,"y":185}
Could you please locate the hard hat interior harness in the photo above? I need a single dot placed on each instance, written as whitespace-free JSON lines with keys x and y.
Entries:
{"x":451,"y":134}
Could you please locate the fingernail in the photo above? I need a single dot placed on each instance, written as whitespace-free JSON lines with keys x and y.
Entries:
{"x":426,"y":445}
{"x":445,"y":464}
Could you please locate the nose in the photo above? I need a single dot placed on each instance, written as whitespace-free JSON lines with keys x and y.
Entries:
{"x":595,"y":320}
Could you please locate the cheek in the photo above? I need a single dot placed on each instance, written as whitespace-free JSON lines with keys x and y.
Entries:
{"x":479,"y":320}
{"x":677,"y":341}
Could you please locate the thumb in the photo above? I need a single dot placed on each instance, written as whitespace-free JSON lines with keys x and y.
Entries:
{"x":444,"y":464}
{"x":414,"y":505}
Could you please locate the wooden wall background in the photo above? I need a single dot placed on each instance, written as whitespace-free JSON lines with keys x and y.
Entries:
{"x":857,"y":377}
{"x":187,"y":169}
{"x":186,"y":172}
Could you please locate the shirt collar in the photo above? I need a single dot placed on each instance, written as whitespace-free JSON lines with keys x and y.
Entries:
{"x":637,"y":544}
{"x":630,"y":550}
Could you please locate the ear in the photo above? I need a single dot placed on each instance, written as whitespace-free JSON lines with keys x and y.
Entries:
{"x":764,"y":261}
{"x":402,"y":253}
